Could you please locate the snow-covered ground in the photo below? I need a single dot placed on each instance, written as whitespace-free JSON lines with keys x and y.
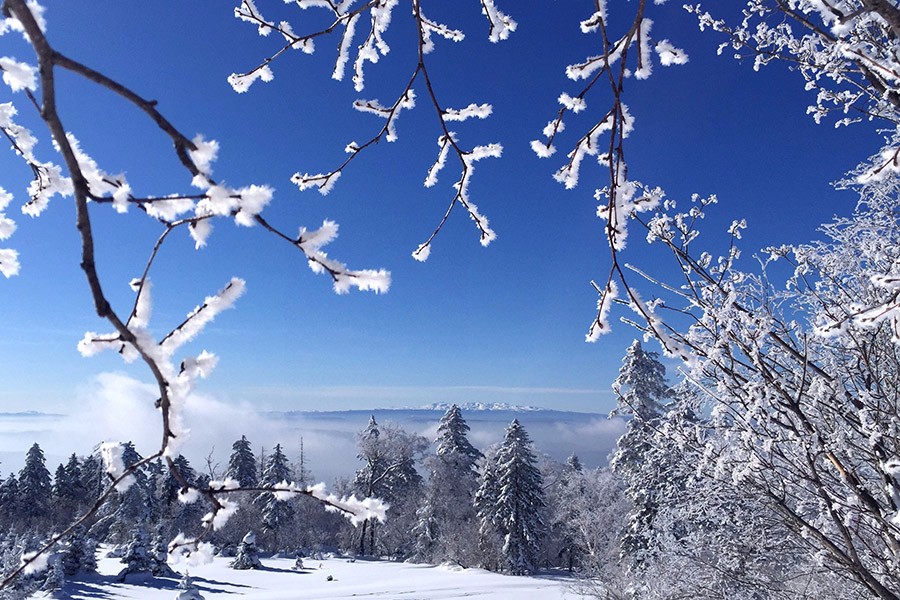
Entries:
{"x":331,"y":578}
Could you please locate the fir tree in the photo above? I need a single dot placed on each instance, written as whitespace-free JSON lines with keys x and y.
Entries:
{"x":34,"y":488}
{"x":189,"y":590}
{"x":642,"y":393}
{"x":9,"y":501}
{"x":277,"y":514}
{"x":520,"y":502}
{"x":242,"y":464}
{"x":485,"y":504}
{"x":137,"y":555}
{"x":79,"y":555}
{"x":446,"y":521}
{"x":247,"y":555}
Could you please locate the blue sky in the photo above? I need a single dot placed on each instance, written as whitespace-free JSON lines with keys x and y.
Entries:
{"x":504,"y":323}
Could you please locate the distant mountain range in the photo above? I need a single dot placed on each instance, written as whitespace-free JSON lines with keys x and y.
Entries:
{"x":445,"y":406}
{"x":29,"y":414}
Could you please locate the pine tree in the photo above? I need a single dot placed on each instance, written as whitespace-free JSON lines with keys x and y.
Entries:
{"x":137,"y":555}
{"x":277,"y":514}
{"x":9,"y":502}
{"x":242,"y":464}
{"x":248,"y":555}
{"x":189,"y":590}
{"x":79,"y":555}
{"x":520,"y":502}
{"x":642,"y":393}
{"x":135,"y":505}
{"x":304,"y":476}
{"x":485,"y":504}
{"x":446,"y":522}
{"x":34,"y":488}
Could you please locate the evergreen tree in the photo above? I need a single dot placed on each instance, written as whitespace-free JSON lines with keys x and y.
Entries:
{"x":242,"y":464}
{"x":189,"y":590}
{"x":79,"y":555}
{"x":159,"y":554}
{"x":303,"y":476}
{"x":485,"y":504}
{"x":34,"y":488}
{"x":642,"y":393}
{"x":9,"y":502}
{"x":520,"y":502}
{"x":277,"y":514}
{"x":447,"y":522}
{"x":93,"y":478}
{"x":137,"y":555}
{"x":168,"y":486}
{"x":55,"y":577}
{"x":135,"y":505}
{"x":247,"y":555}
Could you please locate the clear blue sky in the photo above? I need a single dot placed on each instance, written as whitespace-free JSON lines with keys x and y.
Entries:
{"x":504,"y":323}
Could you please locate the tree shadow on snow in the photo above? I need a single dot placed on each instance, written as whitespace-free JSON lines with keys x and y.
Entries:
{"x":105,"y":586}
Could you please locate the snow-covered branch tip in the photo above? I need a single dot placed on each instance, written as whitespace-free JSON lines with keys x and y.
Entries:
{"x":311,"y":243}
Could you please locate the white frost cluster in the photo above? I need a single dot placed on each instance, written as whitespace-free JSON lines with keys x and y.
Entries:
{"x":111,"y":453}
{"x":406,"y":101}
{"x":324,"y":182}
{"x":224,"y":484}
{"x":428,"y":27}
{"x":444,"y":143}
{"x":18,"y":75}
{"x":355,"y":509}
{"x":601,"y":326}
{"x":374,"y":45}
{"x":189,"y":553}
{"x":244,"y":204}
{"x":501,"y":24}
{"x":100,"y":183}
{"x":340,"y":64}
{"x":35,"y":562}
{"x":311,"y":243}
{"x":219,"y":517}
{"x":479,"y":111}
{"x":241,"y":82}
{"x":9,"y":258}
{"x":48,"y":180}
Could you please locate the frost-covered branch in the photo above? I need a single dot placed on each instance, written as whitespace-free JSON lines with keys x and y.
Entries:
{"x":86,"y":182}
{"x":846,"y":51}
{"x":620,"y":57}
{"x":372,"y":49}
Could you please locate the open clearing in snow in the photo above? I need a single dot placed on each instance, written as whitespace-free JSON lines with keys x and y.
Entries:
{"x":356,"y":579}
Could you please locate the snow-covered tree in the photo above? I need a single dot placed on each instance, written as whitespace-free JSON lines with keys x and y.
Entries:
{"x":277,"y":513}
{"x":447,"y":522}
{"x":34,"y":488}
{"x":389,"y":455}
{"x":801,"y":379}
{"x":247,"y":554}
{"x":137,"y":556}
{"x":485,"y":504}
{"x":9,"y":501}
{"x":510,"y":503}
{"x":642,"y":392}
{"x":242,"y":463}
{"x":189,"y":590}
{"x":79,"y":554}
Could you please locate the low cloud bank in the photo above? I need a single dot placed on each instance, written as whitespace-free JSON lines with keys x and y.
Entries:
{"x":116,"y":407}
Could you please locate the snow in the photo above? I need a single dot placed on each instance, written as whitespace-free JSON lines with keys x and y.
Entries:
{"x":330,"y":578}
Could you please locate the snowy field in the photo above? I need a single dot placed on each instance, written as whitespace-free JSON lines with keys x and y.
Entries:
{"x":359,"y":579}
